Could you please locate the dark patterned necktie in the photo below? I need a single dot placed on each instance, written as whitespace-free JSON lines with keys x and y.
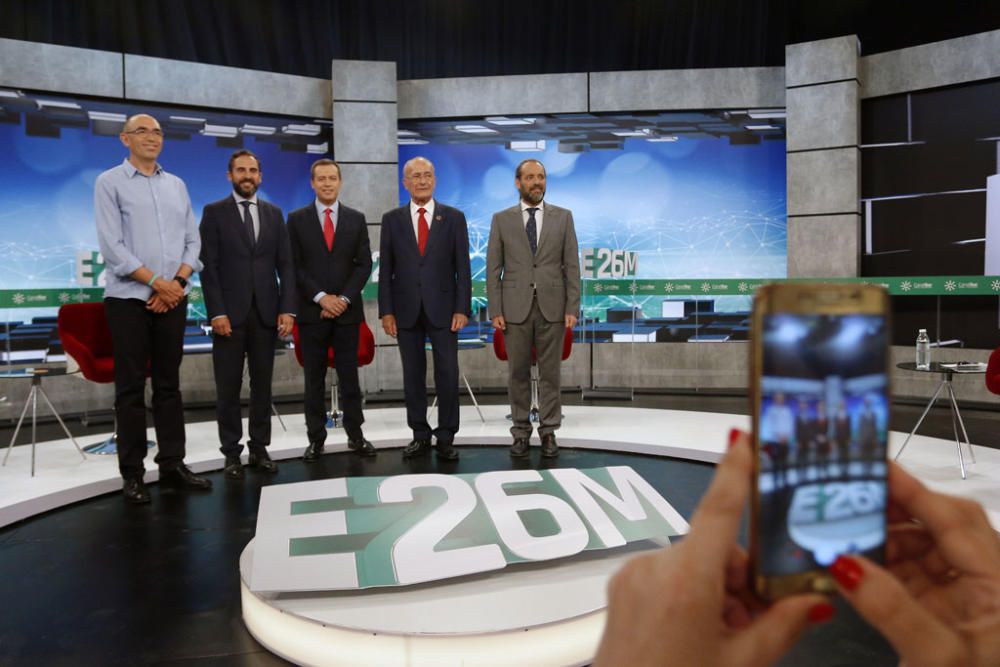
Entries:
{"x":532,"y":229}
{"x":248,"y":222}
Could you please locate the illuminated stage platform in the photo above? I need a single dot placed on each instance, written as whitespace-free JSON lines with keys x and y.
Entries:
{"x":63,"y":478}
{"x":542,"y":613}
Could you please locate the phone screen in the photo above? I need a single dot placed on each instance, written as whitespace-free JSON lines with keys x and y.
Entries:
{"x":823,"y":431}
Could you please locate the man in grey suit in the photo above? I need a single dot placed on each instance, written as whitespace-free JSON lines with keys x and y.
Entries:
{"x":533,"y":287}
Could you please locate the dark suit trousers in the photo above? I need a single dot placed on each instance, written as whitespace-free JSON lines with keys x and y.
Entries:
{"x":253,"y":340}
{"x":547,"y":338}
{"x":445,"y":350}
{"x":141,"y":337}
{"x":316,"y":338}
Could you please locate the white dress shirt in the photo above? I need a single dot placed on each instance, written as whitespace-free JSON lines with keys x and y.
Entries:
{"x":254,"y":211}
{"x":539,"y":214}
{"x":415,"y":217}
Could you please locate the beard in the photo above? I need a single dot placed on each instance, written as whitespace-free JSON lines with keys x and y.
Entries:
{"x":533,"y":196}
{"x":245,"y":188}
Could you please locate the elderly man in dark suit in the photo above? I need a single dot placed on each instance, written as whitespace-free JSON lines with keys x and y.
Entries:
{"x":533,"y":287}
{"x":424,"y":292}
{"x":245,"y":253}
{"x":333,"y":261}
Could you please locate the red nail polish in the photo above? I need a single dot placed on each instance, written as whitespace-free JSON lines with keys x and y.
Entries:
{"x":820,"y":613}
{"x":847,"y":572}
{"x":734,"y":435}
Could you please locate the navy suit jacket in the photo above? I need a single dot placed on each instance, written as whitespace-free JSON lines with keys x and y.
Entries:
{"x":439,"y":282}
{"x":344,"y":270}
{"x":235,"y":273}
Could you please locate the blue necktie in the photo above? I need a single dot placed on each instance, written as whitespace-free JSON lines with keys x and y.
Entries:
{"x":532,"y":230}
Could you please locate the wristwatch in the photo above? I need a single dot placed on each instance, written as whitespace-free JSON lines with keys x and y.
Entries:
{"x":182,"y":280}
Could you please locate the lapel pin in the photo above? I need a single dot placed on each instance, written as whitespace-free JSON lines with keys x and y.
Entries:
{"x":437,"y":217}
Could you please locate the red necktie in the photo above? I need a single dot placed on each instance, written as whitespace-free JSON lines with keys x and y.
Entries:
{"x":328,"y":230}
{"x":422,"y":230}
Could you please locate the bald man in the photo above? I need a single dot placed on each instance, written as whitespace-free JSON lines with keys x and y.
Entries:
{"x":149,"y":238}
{"x":424,"y":293}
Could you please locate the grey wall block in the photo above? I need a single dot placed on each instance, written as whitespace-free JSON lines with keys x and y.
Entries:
{"x":823,"y":182}
{"x":661,"y":90}
{"x":824,"y":246}
{"x":177,"y":82}
{"x":364,"y":132}
{"x":831,"y":59}
{"x":933,"y":65}
{"x":370,"y":188}
{"x":493,"y":95}
{"x":364,"y":80}
{"x":823,"y":116}
{"x":60,"y":69}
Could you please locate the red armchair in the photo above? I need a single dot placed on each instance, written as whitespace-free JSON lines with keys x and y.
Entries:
{"x":366,"y":353}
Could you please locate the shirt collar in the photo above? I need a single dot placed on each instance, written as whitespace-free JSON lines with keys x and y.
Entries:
{"x":525,"y":206}
{"x":320,"y":207}
{"x":429,"y":207}
{"x":240,"y":198}
{"x":131,"y":170}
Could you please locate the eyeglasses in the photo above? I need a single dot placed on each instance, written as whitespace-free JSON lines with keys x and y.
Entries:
{"x":145,"y":131}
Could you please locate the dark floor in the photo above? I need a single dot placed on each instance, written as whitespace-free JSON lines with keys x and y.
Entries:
{"x":102,"y":583}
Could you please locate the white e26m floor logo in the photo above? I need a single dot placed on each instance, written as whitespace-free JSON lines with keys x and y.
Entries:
{"x":360,"y":532}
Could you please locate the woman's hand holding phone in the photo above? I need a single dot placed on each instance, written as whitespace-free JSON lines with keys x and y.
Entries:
{"x":937,"y":600}
{"x":691,"y":603}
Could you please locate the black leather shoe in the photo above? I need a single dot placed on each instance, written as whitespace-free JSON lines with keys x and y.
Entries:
{"x":360,"y":446}
{"x":417,"y":447}
{"x":313,"y":451}
{"x":446,"y":451}
{"x":519,"y":449}
{"x":135,"y":491}
{"x":233,"y":468}
{"x":261,"y":460}
{"x":550,"y":449}
{"x":181,"y":476}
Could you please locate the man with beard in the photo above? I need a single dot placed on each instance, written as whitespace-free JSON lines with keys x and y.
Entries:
{"x":245,"y":252}
{"x":533,"y":288}
{"x":149,"y":239}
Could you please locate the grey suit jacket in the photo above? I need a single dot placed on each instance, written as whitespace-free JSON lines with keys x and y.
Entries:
{"x":514,"y":275}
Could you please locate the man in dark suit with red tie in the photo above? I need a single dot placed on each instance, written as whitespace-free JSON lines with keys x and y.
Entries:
{"x":424,"y":292}
{"x":245,"y":252}
{"x":333,"y":261}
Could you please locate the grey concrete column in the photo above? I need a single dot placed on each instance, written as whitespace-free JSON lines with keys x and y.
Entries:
{"x":364,"y":144}
{"x":364,"y":134}
{"x":823,"y":102}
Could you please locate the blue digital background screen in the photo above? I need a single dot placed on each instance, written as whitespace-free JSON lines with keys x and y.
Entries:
{"x":703,"y":207}
{"x":54,"y":148}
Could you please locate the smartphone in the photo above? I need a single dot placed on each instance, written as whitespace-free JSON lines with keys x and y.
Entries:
{"x":819,"y":390}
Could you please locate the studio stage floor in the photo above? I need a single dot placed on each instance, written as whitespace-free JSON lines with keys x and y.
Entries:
{"x":91,"y":581}
{"x":62,"y":477}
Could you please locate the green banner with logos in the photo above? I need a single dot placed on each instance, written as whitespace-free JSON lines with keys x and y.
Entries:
{"x":680,"y":287}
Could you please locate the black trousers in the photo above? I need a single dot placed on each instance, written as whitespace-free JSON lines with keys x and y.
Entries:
{"x":142,"y":338}
{"x":254,"y":341}
{"x":316,"y":339}
{"x":444,"y":343}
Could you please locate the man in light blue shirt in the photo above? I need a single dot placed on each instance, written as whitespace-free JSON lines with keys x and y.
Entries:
{"x":149,"y":238}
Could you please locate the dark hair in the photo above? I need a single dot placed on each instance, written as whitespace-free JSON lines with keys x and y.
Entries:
{"x":240,"y":153}
{"x":320,"y":163}
{"x":517,"y":172}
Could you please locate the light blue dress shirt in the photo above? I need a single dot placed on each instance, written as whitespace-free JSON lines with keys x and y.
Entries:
{"x":143,"y":221}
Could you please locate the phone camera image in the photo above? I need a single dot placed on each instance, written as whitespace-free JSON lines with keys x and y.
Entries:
{"x":823,"y":431}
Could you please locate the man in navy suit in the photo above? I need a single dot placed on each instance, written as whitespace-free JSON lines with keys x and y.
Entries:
{"x":245,"y":252}
{"x":333,"y":261}
{"x":424,"y":291}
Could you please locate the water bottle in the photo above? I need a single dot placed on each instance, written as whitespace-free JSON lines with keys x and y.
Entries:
{"x":923,"y":351}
